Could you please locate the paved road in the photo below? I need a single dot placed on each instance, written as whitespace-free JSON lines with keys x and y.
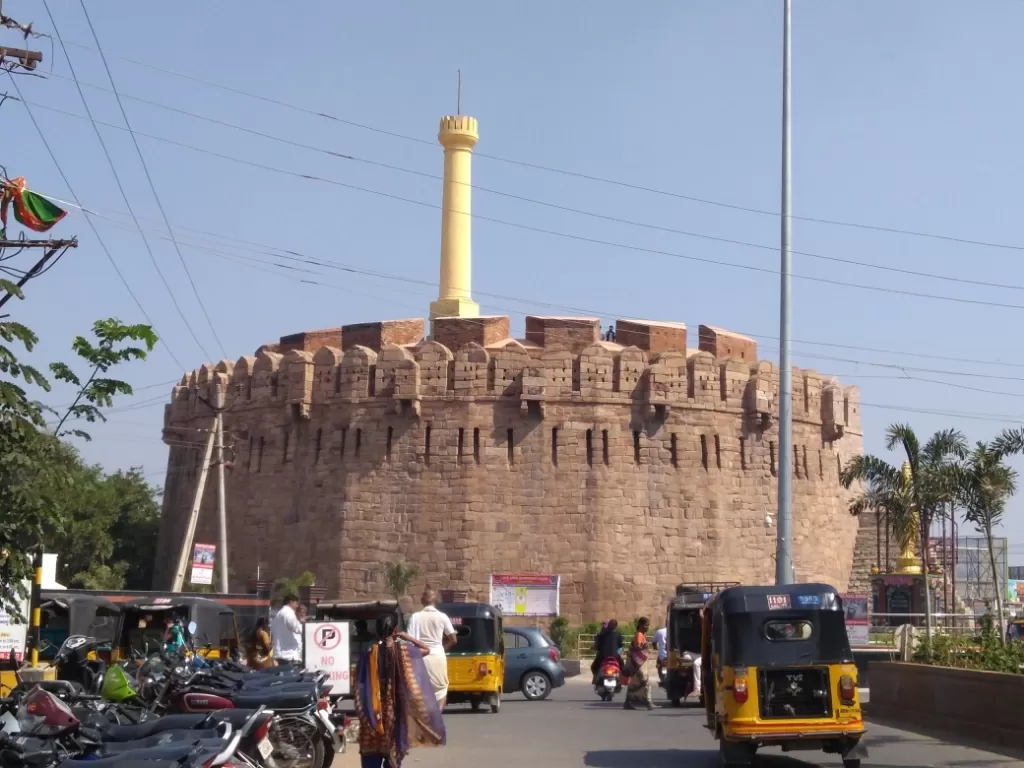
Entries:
{"x":574,"y":729}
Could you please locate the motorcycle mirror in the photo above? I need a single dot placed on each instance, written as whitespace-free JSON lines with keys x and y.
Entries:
{"x":192,"y":627}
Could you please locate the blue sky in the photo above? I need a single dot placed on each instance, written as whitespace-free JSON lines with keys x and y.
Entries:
{"x":904,"y":118}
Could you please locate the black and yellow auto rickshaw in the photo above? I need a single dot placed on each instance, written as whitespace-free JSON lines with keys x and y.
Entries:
{"x":216,"y":633}
{"x":778,"y":671}
{"x":683,"y":637}
{"x":476,"y":663}
{"x":362,"y":619}
{"x":64,"y":613}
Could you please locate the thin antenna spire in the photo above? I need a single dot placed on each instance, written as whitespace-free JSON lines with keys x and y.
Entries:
{"x":459,"y":104}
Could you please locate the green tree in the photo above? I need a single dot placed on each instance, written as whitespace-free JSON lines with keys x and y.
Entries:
{"x":290,"y":586}
{"x":398,"y":577}
{"x":36,"y":478}
{"x":929,"y":483}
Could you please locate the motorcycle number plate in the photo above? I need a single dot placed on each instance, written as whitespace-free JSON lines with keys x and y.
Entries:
{"x":265,"y":747}
{"x":609,"y":683}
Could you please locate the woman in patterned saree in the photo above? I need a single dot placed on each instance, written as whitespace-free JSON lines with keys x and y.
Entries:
{"x":395,"y":702}
{"x":638,"y":694}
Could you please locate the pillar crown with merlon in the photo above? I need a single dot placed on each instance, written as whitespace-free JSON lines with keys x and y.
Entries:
{"x":458,"y":135}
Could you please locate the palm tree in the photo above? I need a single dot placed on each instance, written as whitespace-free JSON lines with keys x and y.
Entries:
{"x":914,"y":495}
{"x":985,"y":483}
{"x":398,"y":577}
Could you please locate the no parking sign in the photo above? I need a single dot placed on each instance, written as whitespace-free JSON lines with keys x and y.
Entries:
{"x":326,"y":649}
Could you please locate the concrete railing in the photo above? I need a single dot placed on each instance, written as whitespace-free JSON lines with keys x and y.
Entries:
{"x":980,"y":706}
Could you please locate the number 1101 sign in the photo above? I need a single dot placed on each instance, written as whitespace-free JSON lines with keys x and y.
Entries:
{"x":326,"y":649}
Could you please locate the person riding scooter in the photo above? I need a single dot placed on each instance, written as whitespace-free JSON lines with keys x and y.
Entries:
{"x":607,"y":645}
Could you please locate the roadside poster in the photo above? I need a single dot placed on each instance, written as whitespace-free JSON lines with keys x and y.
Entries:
{"x":858,"y":624}
{"x":12,"y":633}
{"x":325,"y":645}
{"x":522,"y":594}
{"x":202,"y":563}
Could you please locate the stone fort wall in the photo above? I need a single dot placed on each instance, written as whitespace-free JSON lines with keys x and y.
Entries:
{"x":626,"y":467}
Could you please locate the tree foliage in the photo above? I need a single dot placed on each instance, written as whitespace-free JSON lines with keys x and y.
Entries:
{"x":45,"y":492}
{"x":290,"y":585}
{"x":398,"y":577}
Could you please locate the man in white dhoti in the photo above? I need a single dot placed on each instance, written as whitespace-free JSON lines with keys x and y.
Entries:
{"x":434,"y":629}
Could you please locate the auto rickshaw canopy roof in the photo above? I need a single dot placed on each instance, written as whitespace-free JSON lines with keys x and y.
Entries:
{"x":786,"y":597}
{"x":82,"y":612}
{"x":365,"y":610}
{"x":470,"y":610}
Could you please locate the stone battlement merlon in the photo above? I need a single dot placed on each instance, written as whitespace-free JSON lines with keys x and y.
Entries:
{"x":563,"y":359}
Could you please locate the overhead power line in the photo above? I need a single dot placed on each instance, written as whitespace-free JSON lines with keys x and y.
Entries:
{"x":544,"y":231}
{"x":903,"y":369}
{"x":117,"y":179}
{"x":563,"y":171}
{"x":533,"y":201}
{"x":149,"y":178}
{"x":92,"y":226}
{"x":251,"y":246}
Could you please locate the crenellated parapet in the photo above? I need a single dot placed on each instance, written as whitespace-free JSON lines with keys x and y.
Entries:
{"x":561,"y":360}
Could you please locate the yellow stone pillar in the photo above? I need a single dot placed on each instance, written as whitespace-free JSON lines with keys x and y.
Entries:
{"x":458,"y":135}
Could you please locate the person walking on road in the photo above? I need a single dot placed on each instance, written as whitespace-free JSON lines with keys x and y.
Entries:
{"x":639,"y":692}
{"x":661,"y":643}
{"x":393,"y":703}
{"x":287,"y":633}
{"x":434,"y":629}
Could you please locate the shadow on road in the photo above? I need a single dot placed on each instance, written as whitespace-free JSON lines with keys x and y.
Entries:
{"x":651,"y":758}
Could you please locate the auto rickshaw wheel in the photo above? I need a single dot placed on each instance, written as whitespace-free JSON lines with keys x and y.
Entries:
{"x":495,"y":703}
{"x":475,"y":702}
{"x":851,"y":762}
{"x":676,"y":701}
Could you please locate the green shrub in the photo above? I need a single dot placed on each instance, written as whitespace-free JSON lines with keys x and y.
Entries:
{"x":983,"y":651}
{"x":557,"y":630}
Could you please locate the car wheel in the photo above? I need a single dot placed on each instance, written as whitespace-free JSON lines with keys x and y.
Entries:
{"x":536,"y":686}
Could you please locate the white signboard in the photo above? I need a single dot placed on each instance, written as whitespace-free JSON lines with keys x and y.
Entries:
{"x":326,"y":649}
{"x":12,"y":635}
{"x":525,"y":594}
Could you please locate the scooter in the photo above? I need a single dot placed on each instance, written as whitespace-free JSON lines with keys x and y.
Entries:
{"x":609,"y":679}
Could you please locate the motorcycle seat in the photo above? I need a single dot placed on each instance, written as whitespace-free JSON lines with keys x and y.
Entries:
{"x":175,"y":750}
{"x":275,"y":699}
{"x":113,"y":745}
{"x":118,"y":762}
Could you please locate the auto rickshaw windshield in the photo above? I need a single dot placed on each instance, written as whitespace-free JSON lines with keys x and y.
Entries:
{"x":686,"y":630}
{"x":475,"y":635}
{"x":770,"y":639}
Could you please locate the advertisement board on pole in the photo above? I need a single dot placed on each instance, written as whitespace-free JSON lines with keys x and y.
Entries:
{"x":527,"y":595}
{"x":326,"y":649}
{"x":858,"y":624}
{"x":12,"y":632}
{"x":202,"y":563}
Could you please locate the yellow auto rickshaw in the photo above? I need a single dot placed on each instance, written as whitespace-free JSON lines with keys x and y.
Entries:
{"x":683,"y":637}
{"x":778,"y":671}
{"x":476,"y":663}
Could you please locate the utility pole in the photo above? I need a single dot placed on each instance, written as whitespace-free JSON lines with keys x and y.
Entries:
{"x":190,"y":530}
{"x":53,"y":247}
{"x":784,"y":542}
{"x":222,"y":513}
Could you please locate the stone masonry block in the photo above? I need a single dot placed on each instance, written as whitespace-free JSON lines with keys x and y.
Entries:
{"x":723,"y":344}
{"x":310,"y":341}
{"x":572,"y":333}
{"x":651,"y":336}
{"x":378,"y":335}
{"x":457,"y":332}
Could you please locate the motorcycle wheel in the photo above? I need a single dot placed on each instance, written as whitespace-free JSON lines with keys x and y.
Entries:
{"x":297,"y":744}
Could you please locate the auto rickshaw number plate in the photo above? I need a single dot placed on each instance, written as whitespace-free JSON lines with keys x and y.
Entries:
{"x":778,"y":602}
